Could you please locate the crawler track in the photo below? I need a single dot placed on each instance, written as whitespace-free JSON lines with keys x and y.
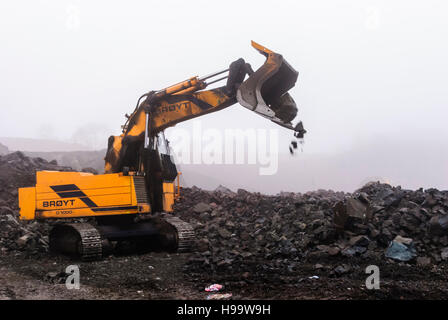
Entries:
{"x":185,"y":233}
{"x":81,"y":239}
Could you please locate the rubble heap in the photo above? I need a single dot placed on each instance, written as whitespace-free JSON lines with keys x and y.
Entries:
{"x":3,"y":149}
{"x":242,"y":231}
{"x":17,"y":170}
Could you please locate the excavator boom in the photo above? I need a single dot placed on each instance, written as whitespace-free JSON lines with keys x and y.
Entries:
{"x":265,"y":92}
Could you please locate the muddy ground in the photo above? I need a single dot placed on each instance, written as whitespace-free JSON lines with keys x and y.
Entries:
{"x":162,"y":276}
{"x":315,"y":245}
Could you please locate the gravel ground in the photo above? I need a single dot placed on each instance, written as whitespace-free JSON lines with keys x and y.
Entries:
{"x":315,"y":245}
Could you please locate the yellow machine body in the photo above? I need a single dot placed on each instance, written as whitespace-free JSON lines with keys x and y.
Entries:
{"x":79,"y":194}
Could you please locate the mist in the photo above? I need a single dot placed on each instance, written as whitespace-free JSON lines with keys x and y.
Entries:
{"x":371,"y":89}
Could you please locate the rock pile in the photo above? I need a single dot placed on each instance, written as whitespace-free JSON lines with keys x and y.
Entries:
{"x":3,"y":149}
{"x":242,"y":231}
{"x":17,"y":170}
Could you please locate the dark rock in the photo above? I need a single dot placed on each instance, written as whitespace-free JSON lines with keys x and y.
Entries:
{"x":224,"y":190}
{"x":56,"y":277}
{"x":444,"y":254}
{"x":342,"y":269}
{"x":203,"y":245}
{"x":401,"y":249}
{"x":23,"y":240}
{"x":438,"y":225}
{"x":262,"y":233}
{"x":361,"y":241}
{"x":3,"y":149}
{"x":423,"y":261}
{"x":224,"y":233}
{"x":202,"y":207}
{"x":350,"y":211}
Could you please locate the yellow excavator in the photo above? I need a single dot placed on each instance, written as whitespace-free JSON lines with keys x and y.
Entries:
{"x":132,"y":203}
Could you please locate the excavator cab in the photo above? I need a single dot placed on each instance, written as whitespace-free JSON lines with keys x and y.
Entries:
{"x":266,"y":90}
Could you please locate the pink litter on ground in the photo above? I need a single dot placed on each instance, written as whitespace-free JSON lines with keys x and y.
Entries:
{"x":219,"y":296}
{"x":213,"y":287}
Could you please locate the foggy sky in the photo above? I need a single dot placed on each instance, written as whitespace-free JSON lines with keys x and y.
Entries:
{"x":367,"y":68}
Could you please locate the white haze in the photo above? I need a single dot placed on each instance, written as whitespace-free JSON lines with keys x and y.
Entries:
{"x":372,"y":81}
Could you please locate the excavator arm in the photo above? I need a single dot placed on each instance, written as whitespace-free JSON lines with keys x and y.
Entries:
{"x":264,"y":92}
{"x":159,"y":112}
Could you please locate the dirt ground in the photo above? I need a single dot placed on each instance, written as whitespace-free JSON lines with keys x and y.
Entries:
{"x":162,"y":276}
{"x":315,"y":245}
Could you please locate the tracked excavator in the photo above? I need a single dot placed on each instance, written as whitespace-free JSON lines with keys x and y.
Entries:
{"x":131,"y":204}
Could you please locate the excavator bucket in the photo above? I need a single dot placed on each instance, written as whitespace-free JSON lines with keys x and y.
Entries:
{"x":266,"y":90}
